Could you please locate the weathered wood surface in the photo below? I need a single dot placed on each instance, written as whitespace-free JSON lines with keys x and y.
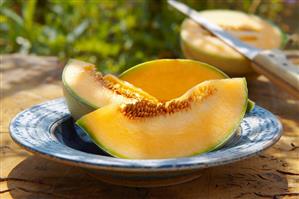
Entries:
{"x":28,"y":80}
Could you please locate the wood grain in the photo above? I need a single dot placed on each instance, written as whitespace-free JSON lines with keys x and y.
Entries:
{"x":28,"y":80}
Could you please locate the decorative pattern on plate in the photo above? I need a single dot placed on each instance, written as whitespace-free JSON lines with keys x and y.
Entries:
{"x":39,"y":129}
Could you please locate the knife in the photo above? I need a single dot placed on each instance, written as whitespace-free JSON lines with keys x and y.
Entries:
{"x":271,"y":63}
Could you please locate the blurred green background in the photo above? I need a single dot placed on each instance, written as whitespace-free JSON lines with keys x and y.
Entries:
{"x":116,"y":34}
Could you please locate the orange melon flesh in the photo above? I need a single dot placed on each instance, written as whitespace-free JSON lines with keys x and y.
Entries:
{"x":208,"y":122}
{"x":167,"y":79}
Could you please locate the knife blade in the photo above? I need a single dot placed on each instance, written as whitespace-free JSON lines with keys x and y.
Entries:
{"x":271,"y":63}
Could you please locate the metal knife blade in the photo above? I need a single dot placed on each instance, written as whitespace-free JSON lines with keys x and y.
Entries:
{"x":248,"y":51}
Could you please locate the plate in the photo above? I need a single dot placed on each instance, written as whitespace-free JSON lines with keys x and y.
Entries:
{"x":48,"y":130}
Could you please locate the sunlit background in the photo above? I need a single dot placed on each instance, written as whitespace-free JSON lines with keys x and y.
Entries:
{"x":117,"y":34}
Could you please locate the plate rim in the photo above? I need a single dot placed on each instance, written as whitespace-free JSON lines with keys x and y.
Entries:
{"x":128,"y":165}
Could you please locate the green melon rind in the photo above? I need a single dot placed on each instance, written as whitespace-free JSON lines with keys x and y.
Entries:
{"x":250,"y":106}
{"x":230,"y":133}
{"x":284,"y":39}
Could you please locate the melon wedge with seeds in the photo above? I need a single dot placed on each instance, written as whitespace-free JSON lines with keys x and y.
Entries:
{"x":86,"y":89}
{"x":199,"y":121}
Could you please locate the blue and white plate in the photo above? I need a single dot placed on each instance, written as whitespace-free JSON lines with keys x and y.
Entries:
{"x":48,"y":130}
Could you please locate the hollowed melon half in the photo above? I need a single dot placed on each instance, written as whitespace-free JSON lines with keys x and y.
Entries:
{"x":199,"y":121}
{"x":86,"y":89}
{"x":199,"y":44}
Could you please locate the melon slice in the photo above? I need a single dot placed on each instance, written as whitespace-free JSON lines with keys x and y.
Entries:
{"x":199,"y":121}
{"x":167,"y":79}
{"x":86,"y":89}
{"x":199,"y":44}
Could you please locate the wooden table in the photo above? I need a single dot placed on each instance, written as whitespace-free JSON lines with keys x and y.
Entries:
{"x":28,"y":80}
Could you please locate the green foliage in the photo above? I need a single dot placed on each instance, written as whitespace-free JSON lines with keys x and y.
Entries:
{"x":114,"y":34}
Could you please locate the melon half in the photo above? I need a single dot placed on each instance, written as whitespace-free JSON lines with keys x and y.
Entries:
{"x":200,"y":120}
{"x":198,"y":44}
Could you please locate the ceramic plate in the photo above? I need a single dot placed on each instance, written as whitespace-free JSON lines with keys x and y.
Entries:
{"x":48,"y":130}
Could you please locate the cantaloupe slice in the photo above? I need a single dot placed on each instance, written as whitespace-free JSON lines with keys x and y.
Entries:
{"x":199,"y":44}
{"x":199,"y":121}
{"x":86,"y":89}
